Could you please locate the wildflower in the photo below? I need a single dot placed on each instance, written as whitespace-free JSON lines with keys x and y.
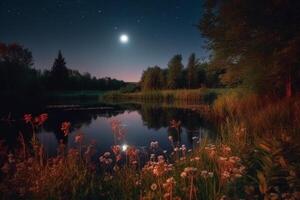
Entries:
{"x":167,"y":195}
{"x":171,"y":180}
{"x":108,"y":161}
{"x":152,"y":156}
{"x":117,"y":151}
{"x":27,"y":118}
{"x":138,"y":182}
{"x":197,"y":158}
{"x":101,"y":159}
{"x":42,"y":118}
{"x":132,"y":153}
{"x":211,"y":150}
{"x":225,"y":175}
{"x":116,"y":168}
{"x":11,"y":158}
{"x":210,"y":174}
{"x":274,"y":196}
{"x":153,"y":187}
{"x":225,"y":149}
{"x":222,"y":158}
{"x":79,"y":138}
{"x":238,"y":175}
{"x":160,"y":158}
{"x":134,"y":162}
{"x":183,"y":174}
{"x":106,"y":154}
{"x":154,"y":144}
{"x":65,"y":127}
{"x":170,"y":167}
{"x":188,"y":171}
{"x":204,"y":173}
{"x":234,"y":159}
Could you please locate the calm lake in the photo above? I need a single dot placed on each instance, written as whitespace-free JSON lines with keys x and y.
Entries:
{"x":143,"y":124}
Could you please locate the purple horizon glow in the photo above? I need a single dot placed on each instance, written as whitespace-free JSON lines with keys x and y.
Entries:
{"x":88,"y":33}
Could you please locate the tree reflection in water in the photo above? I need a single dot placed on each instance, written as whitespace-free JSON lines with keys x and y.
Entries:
{"x":173,"y":120}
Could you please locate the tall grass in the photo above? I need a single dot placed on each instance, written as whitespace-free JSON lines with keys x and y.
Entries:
{"x":255,"y":157}
{"x":266,"y":133}
{"x":188,"y":96}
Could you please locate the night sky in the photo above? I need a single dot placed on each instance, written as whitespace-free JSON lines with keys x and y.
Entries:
{"x":88,"y":31}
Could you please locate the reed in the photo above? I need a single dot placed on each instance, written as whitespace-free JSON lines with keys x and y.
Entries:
{"x":255,"y":157}
{"x":188,"y":96}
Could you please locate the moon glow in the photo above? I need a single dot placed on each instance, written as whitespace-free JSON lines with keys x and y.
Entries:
{"x":124,"y":38}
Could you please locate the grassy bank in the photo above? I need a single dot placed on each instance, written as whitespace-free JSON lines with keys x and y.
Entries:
{"x":83,"y":94}
{"x":183,"y":95}
{"x":255,"y":157}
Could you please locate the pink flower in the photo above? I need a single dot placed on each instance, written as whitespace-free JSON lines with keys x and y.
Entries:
{"x":27,"y":118}
{"x":65,"y":127}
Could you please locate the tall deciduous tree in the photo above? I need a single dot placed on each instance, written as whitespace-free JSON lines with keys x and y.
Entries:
{"x":174,"y":76}
{"x":255,"y":42}
{"x":192,"y":72}
{"x":16,"y":74}
{"x":152,"y":79}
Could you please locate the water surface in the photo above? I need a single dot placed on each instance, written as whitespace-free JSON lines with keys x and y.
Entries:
{"x":142,"y":124}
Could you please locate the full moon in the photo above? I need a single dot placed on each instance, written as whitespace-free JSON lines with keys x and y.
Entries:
{"x":124,"y":38}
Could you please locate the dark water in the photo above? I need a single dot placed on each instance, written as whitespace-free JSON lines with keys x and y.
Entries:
{"x":142,"y":124}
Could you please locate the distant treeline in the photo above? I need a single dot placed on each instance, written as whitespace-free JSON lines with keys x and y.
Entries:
{"x":195,"y":75}
{"x":18,"y":77}
{"x":254,"y":44}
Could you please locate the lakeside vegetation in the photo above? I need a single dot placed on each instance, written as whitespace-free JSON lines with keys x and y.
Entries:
{"x":250,"y":87}
{"x":19,"y":78}
{"x":250,"y":160}
{"x":189,"y":96}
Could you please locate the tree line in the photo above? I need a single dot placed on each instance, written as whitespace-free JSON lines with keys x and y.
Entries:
{"x":18,"y":77}
{"x":196,"y":74}
{"x":254,"y":43}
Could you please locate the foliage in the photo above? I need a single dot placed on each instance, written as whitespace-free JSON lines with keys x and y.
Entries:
{"x":196,"y":96}
{"x":152,"y":78}
{"x":174,"y":76}
{"x":192,"y":73}
{"x":19,"y":78}
{"x":254,"y":158}
{"x":255,"y":43}
{"x":16,"y":73}
{"x":195,"y":75}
